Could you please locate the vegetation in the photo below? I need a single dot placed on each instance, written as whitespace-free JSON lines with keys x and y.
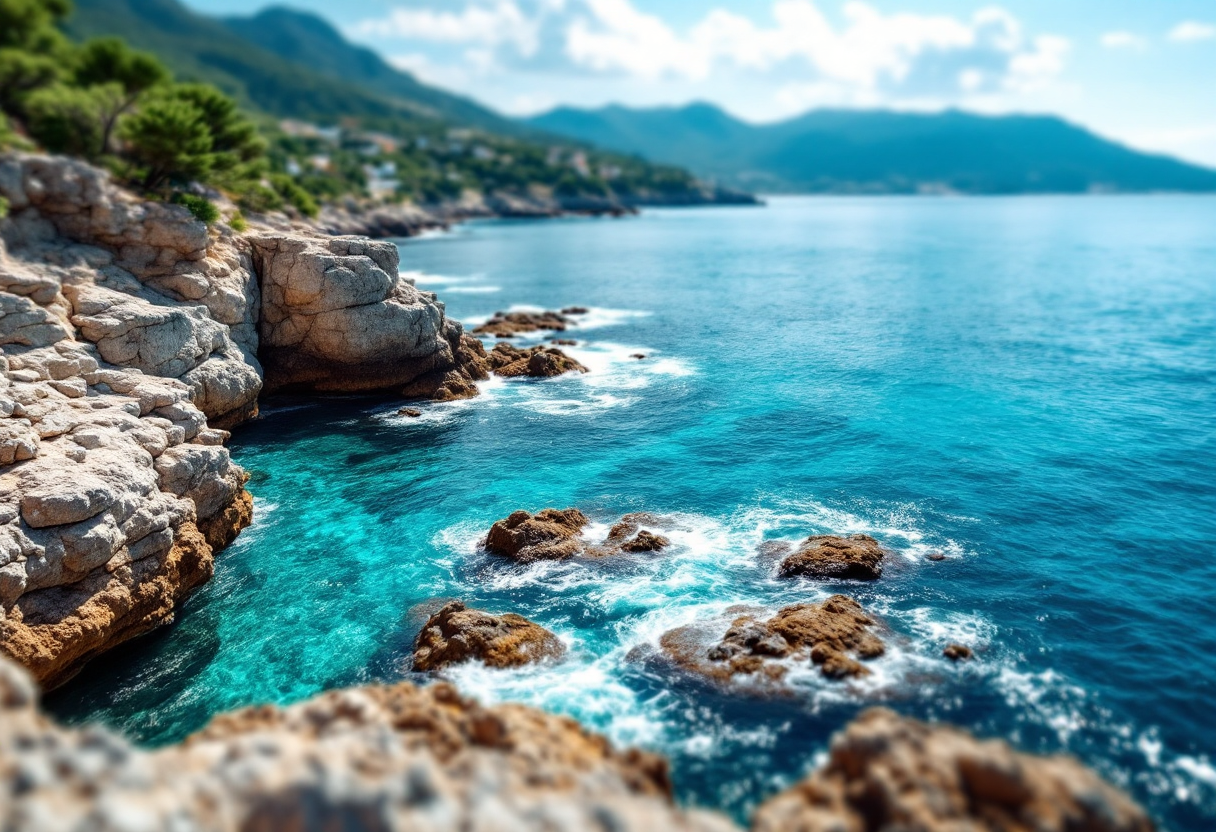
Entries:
{"x":208,"y":118}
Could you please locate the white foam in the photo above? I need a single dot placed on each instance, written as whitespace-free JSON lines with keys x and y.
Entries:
{"x":471,"y":290}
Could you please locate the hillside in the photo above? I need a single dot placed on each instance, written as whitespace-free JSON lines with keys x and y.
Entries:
{"x":852,"y":151}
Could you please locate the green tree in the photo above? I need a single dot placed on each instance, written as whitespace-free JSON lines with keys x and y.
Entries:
{"x":169,"y":141}
{"x":32,"y":48}
{"x":234,"y":138}
{"x":110,"y":63}
{"x":69,"y":120}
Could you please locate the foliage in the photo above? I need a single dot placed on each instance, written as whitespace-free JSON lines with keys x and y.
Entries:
{"x":295,"y":195}
{"x":168,"y":139}
{"x":3,"y":207}
{"x":202,"y":208}
{"x":238,"y":223}
{"x":69,"y":120}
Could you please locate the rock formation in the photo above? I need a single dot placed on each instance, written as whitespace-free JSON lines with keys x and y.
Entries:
{"x":856,"y":557}
{"x":553,"y":534}
{"x":510,"y":324}
{"x":377,"y":759}
{"x":886,"y":772}
{"x":114,"y":492}
{"x":550,"y":534}
{"x":538,"y":362}
{"x":457,"y":634}
{"x":832,"y":635}
{"x":337,"y":317}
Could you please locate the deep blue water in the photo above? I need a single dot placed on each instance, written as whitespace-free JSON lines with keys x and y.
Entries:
{"x":1024,"y":384}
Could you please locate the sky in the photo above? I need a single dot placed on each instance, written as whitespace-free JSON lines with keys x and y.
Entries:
{"x":1139,"y":71}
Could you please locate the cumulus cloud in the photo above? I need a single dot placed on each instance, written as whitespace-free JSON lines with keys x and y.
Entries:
{"x":857,"y":55}
{"x":1190,"y":30}
{"x":1122,"y":40}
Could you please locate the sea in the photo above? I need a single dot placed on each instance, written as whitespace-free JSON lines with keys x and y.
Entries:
{"x":1025,"y":385}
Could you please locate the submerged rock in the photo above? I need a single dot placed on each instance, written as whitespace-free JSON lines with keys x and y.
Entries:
{"x":957,"y":652}
{"x":886,"y":772}
{"x":629,"y":536}
{"x":457,"y":634}
{"x":832,"y":635}
{"x":856,"y":557}
{"x":550,"y":534}
{"x":510,"y":324}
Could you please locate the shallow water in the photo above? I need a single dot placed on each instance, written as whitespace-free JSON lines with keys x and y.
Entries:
{"x":1027,"y":385}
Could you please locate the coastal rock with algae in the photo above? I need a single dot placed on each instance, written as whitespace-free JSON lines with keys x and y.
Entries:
{"x":556,"y":534}
{"x":856,"y":557}
{"x":886,"y":772}
{"x":458,"y":634}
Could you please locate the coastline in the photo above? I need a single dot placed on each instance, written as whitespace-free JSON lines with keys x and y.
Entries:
{"x":159,"y":270}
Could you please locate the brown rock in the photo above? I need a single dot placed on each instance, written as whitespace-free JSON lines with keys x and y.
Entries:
{"x":410,"y":412}
{"x":548,"y":535}
{"x":537,"y":362}
{"x":628,"y":536}
{"x":510,"y":324}
{"x":564,"y":342}
{"x":957,"y":652}
{"x":823,"y":633}
{"x":457,"y":634}
{"x":575,"y":310}
{"x":856,"y":557}
{"x":936,"y":557}
{"x":887,"y":772}
{"x":638,"y":355}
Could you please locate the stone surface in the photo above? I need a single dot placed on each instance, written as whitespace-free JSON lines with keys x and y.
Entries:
{"x":886,"y":772}
{"x":457,"y":634}
{"x":629,"y":536}
{"x":957,"y":652}
{"x":536,"y":362}
{"x":375,"y":759}
{"x":856,"y":557}
{"x":834,"y":635}
{"x":550,"y":534}
{"x":510,"y":324}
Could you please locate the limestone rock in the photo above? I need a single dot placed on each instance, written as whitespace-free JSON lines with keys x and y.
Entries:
{"x":856,"y":557}
{"x":832,"y":635}
{"x":548,"y":535}
{"x":457,"y":634}
{"x":629,"y":536}
{"x":888,"y":772}
{"x":957,"y":652}
{"x":337,"y":317}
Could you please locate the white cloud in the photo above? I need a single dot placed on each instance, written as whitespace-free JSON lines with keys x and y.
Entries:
{"x":488,"y":24}
{"x":1123,"y":40}
{"x":1191,"y":30}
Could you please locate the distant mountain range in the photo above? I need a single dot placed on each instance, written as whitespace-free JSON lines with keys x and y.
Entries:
{"x":281,"y":62}
{"x":855,"y":151}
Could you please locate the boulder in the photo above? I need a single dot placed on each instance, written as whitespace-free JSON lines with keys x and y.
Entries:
{"x":457,"y":634}
{"x":628,"y":535}
{"x":888,"y":772}
{"x":550,"y":534}
{"x":957,"y":652}
{"x":857,"y":557}
{"x":537,"y":362}
{"x":834,"y":635}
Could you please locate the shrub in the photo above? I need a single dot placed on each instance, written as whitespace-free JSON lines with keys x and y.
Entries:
{"x":202,"y":208}
{"x":295,"y":195}
{"x":170,"y":141}
{"x":68,"y":119}
{"x":3,"y":207}
{"x":238,"y":223}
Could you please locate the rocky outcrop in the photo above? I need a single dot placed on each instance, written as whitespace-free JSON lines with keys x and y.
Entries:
{"x":150,"y":286}
{"x":537,"y":362}
{"x":553,"y":534}
{"x":377,"y":759}
{"x":457,"y":634}
{"x":857,"y":557}
{"x":550,"y":534}
{"x":510,"y":324}
{"x":886,"y":772}
{"x":337,"y":317}
{"x":833,"y":635}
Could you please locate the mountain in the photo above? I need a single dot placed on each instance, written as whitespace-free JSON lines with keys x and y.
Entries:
{"x":281,"y":62}
{"x":308,"y":40}
{"x":859,"y":151}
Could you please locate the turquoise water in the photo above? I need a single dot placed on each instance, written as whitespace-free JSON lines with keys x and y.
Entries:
{"x":1026,"y":385}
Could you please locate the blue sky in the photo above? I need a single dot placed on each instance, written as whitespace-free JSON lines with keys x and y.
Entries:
{"x":1138,"y":71}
